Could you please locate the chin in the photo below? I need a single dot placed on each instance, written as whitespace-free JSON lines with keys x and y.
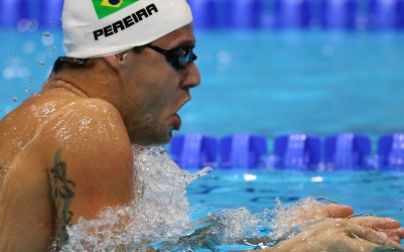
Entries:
{"x":166,"y":139}
{"x":152,"y":139}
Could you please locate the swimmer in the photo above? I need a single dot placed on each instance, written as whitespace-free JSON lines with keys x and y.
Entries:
{"x":66,"y":154}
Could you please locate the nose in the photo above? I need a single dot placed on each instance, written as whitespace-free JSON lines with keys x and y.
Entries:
{"x":191,"y":77}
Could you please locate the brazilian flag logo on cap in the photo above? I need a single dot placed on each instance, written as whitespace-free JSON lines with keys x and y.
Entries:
{"x":107,"y":7}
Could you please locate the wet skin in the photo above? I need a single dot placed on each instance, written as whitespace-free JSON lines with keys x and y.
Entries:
{"x":332,"y":228}
{"x":91,"y":117}
{"x":337,"y":235}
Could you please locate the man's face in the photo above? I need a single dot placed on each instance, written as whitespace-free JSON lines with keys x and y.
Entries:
{"x":153,"y":90}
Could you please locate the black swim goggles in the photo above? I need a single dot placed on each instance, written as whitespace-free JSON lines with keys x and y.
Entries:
{"x":179,"y":58}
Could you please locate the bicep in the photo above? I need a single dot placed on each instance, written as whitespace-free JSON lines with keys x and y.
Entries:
{"x":91,"y":167}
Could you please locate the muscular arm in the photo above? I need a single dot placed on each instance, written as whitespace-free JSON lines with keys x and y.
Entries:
{"x":62,"y":193}
{"x":92,"y":168}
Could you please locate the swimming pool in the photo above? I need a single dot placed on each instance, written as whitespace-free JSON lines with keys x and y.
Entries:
{"x":268,"y":83}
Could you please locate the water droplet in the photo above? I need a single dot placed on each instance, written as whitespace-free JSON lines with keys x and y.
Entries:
{"x":52,"y":51}
{"x":23,"y":73}
{"x":327,"y":51}
{"x":9,"y":73}
{"x":29,"y":47}
{"x":40,"y":56}
{"x":223,"y":57}
{"x":48,"y":39}
{"x":23,"y":25}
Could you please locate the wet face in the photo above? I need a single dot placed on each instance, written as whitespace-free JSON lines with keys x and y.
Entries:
{"x":153,"y":90}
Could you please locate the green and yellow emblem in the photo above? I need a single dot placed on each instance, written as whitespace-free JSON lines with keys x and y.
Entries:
{"x":105,"y":8}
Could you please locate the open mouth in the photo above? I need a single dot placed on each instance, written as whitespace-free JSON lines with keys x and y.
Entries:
{"x":176,"y":123}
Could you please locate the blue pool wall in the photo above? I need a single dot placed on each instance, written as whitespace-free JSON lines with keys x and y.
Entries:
{"x":244,"y":14}
{"x":294,"y":151}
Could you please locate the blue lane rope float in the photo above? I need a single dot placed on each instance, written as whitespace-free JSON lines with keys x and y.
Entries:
{"x":292,"y":13}
{"x":46,"y":12}
{"x":242,"y":151}
{"x":391,"y":151}
{"x":346,"y":151}
{"x":211,"y":13}
{"x":400,"y":14}
{"x":383,"y":14}
{"x":299,"y":151}
{"x":295,"y":151}
{"x":11,"y":12}
{"x":51,"y":13}
{"x":245,"y":14}
{"x":339,"y":14}
{"x":194,"y":151}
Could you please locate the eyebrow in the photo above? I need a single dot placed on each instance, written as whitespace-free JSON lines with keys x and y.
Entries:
{"x":185,"y":44}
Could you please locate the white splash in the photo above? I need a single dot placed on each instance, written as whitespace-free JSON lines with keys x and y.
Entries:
{"x":287,"y":221}
{"x":284,"y":221}
{"x":239,"y":224}
{"x":159,"y":213}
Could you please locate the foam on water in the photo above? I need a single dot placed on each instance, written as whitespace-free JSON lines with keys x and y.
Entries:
{"x":159,"y":213}
{"x":159,"y":217}
{"x":287,"y":221}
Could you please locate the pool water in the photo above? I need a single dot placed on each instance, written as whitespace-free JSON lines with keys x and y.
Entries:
{"x":311,"y":82}
{"x":370,"y":193}
{"x":376,"y":193}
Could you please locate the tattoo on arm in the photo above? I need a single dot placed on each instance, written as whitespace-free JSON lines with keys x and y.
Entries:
{"x":62,"y":195}
{"x":3,"y":172}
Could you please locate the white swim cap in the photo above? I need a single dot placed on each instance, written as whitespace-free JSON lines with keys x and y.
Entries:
{"x":96,"y":28}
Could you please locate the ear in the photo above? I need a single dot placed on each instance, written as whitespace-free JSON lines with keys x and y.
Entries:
{"x":115,"y":60}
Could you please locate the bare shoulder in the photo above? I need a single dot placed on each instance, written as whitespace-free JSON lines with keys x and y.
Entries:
{"x":88,"y":126}
{"x":87,"y":143}
{"x":84,"y":122}
{"x":83,"y":112}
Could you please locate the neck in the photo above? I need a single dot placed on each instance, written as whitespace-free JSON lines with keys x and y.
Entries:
{"x":96,"y":81}
{"x":58,"y":82}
